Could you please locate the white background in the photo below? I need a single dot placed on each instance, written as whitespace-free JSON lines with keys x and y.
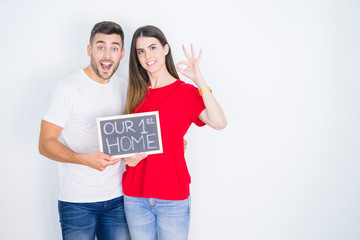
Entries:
{"x":285,"y":72}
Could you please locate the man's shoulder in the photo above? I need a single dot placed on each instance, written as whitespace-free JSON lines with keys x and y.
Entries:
{"x":72,"y":78}
{"x":74,"y":82}
{"x":118,"y":77}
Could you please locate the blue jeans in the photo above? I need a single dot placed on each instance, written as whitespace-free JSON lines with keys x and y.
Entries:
{"x":82,"y":221}
{"x":151,"y":218}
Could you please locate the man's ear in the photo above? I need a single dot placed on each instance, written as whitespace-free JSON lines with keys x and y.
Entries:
{"x":89,"y":49}
{"x":122,"y":53}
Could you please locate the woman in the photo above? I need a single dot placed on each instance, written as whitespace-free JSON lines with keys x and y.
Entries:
{"x":157,"y":197}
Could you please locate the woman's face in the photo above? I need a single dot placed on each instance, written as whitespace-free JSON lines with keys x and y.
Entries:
{"x":151,"y":54}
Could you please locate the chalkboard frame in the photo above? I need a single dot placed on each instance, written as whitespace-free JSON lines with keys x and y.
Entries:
{"x":130,"y":116}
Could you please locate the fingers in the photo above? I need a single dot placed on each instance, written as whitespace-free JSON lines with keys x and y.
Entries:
{"x":109,"y":160}
{"x":139,"y":156}
{"x":185,"y":143}
{"x":105,"y":160}
{"x":178,"y":67}
{"x":134,"y":160}
{"x":112,"y":162}
{"x":193,"y":55}
{"x":183,"y":62}
{"x":199,"y":57}
{"x":128,"y":160}
{"x":102,"y":164}
{"x":107,"y":157}
{"x":192,"y":51}
{"x":185,"y":52}
{"x":99,"y":160}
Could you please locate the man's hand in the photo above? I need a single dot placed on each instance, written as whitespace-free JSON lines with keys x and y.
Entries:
{"x":134,"y":160}
{"x":98,"y":160}
{"x":50,"y":147}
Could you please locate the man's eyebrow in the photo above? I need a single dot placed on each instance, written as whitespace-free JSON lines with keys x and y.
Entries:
{"x":115,"y":43}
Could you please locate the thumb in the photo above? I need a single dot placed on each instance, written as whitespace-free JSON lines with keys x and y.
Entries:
{"x":112,"y":162}
{"x":179,"y":69}
{"x":106,"y":157}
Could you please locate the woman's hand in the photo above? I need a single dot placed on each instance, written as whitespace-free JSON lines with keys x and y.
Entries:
{"x":192,"y":69}
{"x":135,"y":159}
{"x":213,"y":114}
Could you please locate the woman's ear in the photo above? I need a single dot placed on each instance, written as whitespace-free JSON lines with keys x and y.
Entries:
{"x":166,"y":49}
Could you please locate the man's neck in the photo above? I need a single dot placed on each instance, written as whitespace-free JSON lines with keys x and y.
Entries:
{"x":93,"y":76}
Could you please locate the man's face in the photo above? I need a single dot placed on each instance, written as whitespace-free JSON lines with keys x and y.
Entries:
{"x":105,"y":53}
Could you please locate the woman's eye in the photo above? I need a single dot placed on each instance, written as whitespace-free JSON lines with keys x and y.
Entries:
{"x":140,"y":52}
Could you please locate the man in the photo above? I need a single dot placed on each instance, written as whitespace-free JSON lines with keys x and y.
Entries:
{"x":90,"y":191}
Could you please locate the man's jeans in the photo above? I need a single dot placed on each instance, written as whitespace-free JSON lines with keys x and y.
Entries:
{"x":151,"y":218}
{"x":82,"y":221}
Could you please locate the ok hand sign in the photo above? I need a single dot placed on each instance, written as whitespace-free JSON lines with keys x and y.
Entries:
{"x":192,"y":69}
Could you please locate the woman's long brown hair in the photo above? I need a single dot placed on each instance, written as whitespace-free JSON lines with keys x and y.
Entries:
{"x":138,"y":78}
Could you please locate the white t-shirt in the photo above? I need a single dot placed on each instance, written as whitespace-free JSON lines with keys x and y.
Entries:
{"x":76,"y":103}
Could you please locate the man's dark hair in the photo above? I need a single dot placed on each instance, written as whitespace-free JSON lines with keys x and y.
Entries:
{"x":107,"y":27}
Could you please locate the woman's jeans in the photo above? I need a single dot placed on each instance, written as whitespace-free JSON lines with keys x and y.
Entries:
{"x":151,"y":218}
{"x":82,"y":221}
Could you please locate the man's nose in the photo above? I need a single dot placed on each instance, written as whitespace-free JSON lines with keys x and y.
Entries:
{"x":107,"y":53}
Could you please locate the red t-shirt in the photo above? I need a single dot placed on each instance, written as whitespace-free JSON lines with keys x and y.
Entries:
{"x":165,"y":175}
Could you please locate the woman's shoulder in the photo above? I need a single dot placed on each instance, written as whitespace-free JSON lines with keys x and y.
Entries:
{"x":187,"y":86}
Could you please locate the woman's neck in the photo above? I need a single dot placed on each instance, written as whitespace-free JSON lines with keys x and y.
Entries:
{"x":160,"y":79}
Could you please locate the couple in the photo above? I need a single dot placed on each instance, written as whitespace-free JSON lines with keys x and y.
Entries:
{"x":145,"y":197}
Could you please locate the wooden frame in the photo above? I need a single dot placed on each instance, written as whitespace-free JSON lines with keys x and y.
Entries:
{"x":107,"y":129}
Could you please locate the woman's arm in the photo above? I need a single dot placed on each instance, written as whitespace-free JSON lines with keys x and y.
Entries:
{"x":213,"y":114}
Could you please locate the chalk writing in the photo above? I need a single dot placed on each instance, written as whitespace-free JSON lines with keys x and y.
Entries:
{"x":128,"y":134}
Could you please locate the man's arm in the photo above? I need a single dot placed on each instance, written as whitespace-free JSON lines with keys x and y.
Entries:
{"x":50,"y":147}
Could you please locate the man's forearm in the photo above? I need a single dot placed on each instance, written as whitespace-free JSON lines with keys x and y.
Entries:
{"x":55,"y":150}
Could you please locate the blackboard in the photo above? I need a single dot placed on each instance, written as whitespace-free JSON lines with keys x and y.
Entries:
{"x":125,"y":135}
